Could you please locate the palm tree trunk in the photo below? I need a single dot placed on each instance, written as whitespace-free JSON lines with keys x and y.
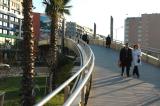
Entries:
{"x":53,"y":52}
{"x":27,"y":89}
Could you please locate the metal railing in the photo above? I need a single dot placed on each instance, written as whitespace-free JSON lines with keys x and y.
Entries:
{"x":82,"y":84}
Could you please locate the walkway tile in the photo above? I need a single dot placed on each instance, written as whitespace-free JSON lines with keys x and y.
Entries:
{"x":110,"y":89}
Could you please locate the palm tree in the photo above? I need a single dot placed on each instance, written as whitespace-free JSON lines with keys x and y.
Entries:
{"x":27,"y":89}
{"x":54,"y":8}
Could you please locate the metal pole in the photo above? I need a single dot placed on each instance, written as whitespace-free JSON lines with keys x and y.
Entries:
{"x":63,"y":34}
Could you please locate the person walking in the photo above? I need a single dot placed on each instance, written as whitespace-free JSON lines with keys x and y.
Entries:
{"x":125,"y":59}
{"x":136,"y":54}
{"x":85,"y":38}
{"x":108,"y":41}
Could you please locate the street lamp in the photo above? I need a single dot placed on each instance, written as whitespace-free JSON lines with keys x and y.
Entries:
{"x":63,"y":34}
{"x":117,"y":30}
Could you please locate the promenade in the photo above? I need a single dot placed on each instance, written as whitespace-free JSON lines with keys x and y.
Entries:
{"x":110,"y":89}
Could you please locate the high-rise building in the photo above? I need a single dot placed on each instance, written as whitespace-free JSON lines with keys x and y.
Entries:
{"x":10,"y":20}
{"x":151,"y":30}
{"x":133,"y":30}
{"x":143,"y":30}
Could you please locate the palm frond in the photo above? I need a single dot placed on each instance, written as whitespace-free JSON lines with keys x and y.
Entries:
{"x":67,"y":6}
{"x":66,"y":2}
{"x":66,"y":11}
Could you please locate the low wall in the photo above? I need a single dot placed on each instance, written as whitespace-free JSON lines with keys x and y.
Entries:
{"x":118,"y":45}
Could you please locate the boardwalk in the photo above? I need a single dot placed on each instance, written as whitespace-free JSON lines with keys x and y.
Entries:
{"x":110,"y":89}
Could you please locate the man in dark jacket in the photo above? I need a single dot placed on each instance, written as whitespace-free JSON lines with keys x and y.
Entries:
{"x":125,"y":59}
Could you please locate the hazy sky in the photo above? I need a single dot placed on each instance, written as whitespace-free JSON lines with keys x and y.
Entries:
{"x":86,"y":12}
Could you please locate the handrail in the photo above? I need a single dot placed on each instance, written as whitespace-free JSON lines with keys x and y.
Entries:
{"x":77,"y":91}
{"x":90,"y":61}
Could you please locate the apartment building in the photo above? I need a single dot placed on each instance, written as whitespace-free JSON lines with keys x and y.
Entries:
{"x":151,"y":30}
{"x":74,"y":30}
{"x":133,"y":31}
{"x":88,"y":31}
{"x":10,"y":20}
{"x":143,"y":30}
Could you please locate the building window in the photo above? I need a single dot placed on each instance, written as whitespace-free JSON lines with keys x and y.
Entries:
{"x":1,"y":7}
{"x":139,"y":30}
{"x":5,"y":16}
{"x":139,"y":35}
{"x":12,"y":11}
{"x":12,"y":19}
{"x":140,"y":27}
{"x":4,"y":31}
{"x":0,"y":30}
{"x":5,"y":24}
{"x":16,"y":19}
{"x":11,"y":33}
{"x":17,"y":12}
{"x":126,"y":40}
{"x":11,"y":25}
{"x":5,"y":2}
{"x":5,"y":8}
{"x":1,"y":15}
{"x":126,"y":35}
{"x":0,"y":23}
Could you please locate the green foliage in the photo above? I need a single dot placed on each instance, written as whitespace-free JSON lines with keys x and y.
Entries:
{"x":56,"y":101}
{"x":64,"y":69}
{"x":11,"y":85}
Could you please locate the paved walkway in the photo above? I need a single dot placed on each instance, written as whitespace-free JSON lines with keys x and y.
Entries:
{"x":110,"y":89}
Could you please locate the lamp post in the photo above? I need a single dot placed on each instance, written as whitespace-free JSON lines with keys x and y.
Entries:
{"x":63,"y":34}
{"x":117,"y":30}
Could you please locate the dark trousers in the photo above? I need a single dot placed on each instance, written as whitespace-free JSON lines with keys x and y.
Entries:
{"x":127,"y":70}
{"x":135,"y":71}
{"x":107,"y":45}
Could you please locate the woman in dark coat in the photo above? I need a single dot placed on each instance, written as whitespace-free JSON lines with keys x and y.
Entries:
{"x":125,"y":59}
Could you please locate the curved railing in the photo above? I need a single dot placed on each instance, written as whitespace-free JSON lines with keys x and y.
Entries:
{"x":82,"y":78}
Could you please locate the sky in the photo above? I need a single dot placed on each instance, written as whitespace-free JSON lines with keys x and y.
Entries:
{"x":86,"y":12}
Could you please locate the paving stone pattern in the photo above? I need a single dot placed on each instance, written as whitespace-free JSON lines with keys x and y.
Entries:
{"x":110,"y":89}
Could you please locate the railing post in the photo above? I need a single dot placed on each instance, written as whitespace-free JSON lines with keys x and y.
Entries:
{"x":2,"y":98}
{"x":66,"y":92}
{"x":158,"y":59}
{"x":88,"y":87}
{"x":147,"y":57}
{"x":116,"y":45}
{"x":82,"y":102}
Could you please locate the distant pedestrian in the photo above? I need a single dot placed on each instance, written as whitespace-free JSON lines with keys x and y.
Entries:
{"x":108,"y":41}
{"x":125,"y":59}
{"x":136,"y":53}
{"x":85,"y":38}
